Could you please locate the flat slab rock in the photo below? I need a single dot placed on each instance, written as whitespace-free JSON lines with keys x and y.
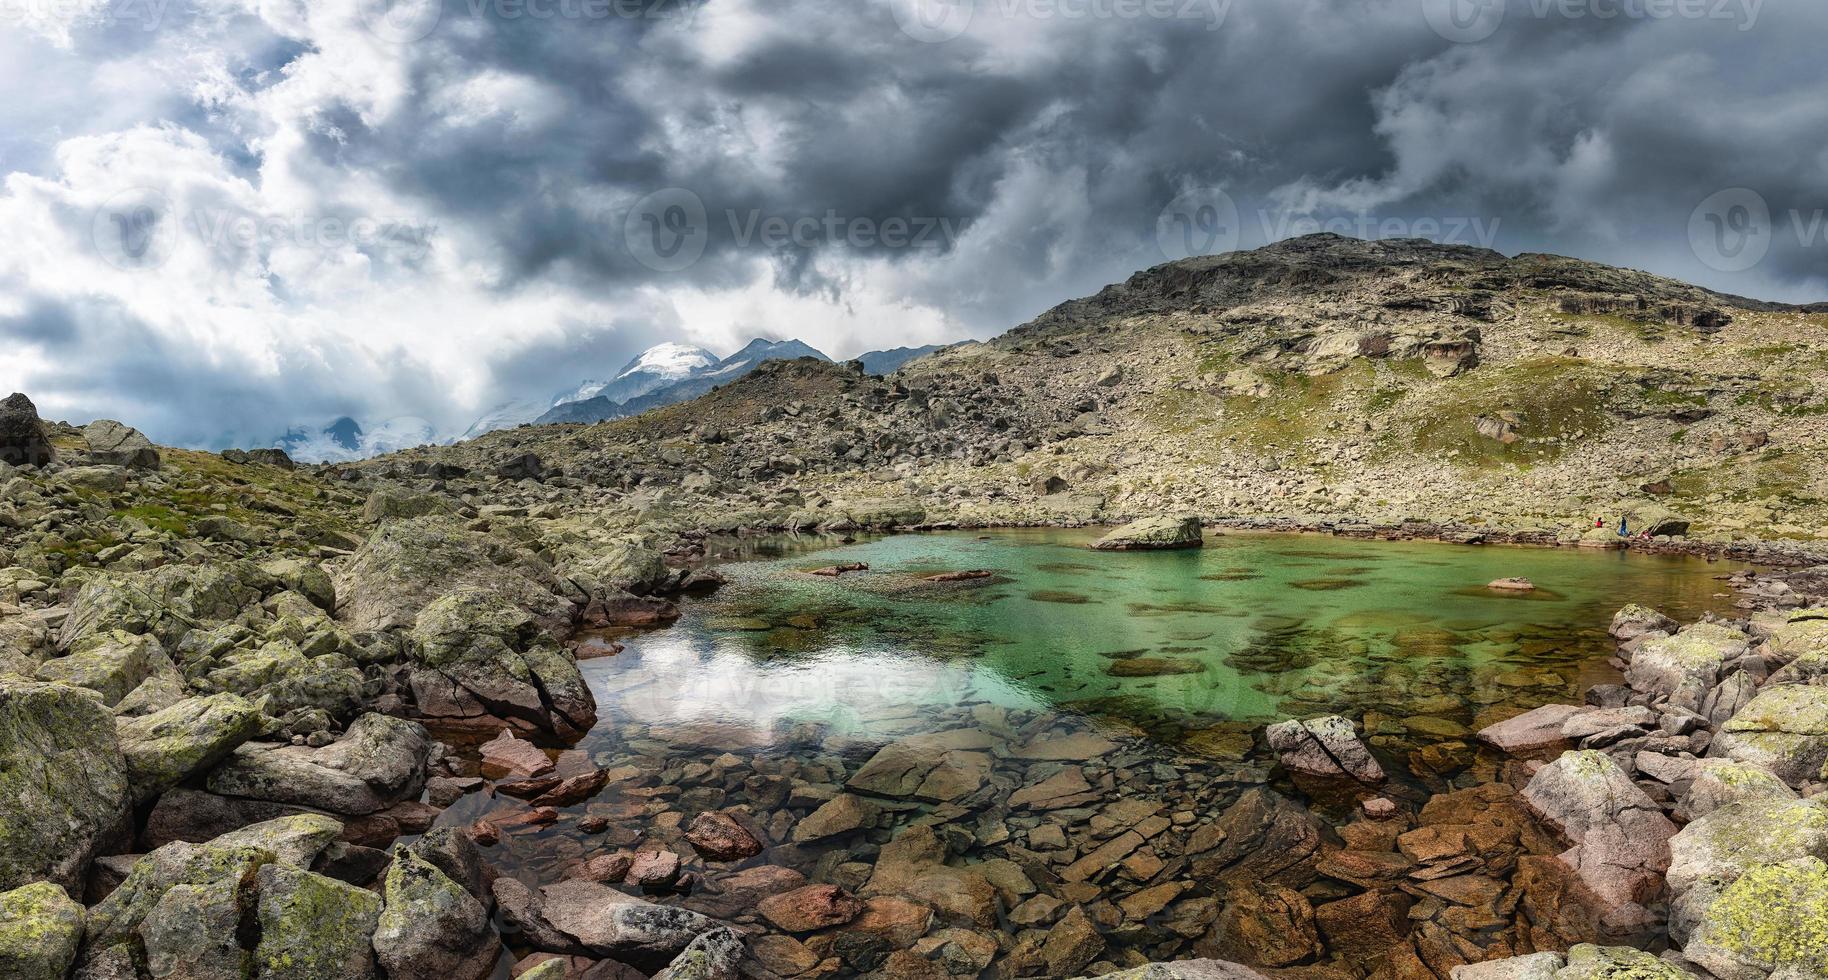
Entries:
{"x":1532,"y":731}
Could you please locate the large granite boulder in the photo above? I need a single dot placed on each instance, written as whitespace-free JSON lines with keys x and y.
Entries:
{"x":1537,"y":730}
{"x":475,"y":654}
{"x":433,"y":928}
{"x":1620,"y":836}
{"x":1326,"y":746}
{"x":1783,"y":729}
{"x":1767,"y":925}
{"x":313,"y":927}
{"x":405,"y":565}
{"x":1717,"y":783}
{"x":166,"y":747}
{"x":378,"y":762}
{"x":22,"y":438}
{"x":1163,"y":533}
{"x":1536,"y":966}
{"x":64,"y":794}
{"x":1634,"y":621}
{"x":1698,"y":654}
{"x":113,"y":444}
{"x":118,"y":922}
{"x":1732,"y":840}
{"x":111,"y":664}
{"x":40,"y":931}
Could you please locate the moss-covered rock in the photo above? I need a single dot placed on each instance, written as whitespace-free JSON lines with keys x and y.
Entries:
{"x":111,"y":664}
{"x":479,"y":654}
{"x":406,"y":565}
{"x":313,"y":927}
{"x":1722,"y":782}
{"x":1728,"y":842}
{"x":167,"y":747}
{"x":432,"y":927}
{"x":63,"y":783}
{"x":379,"y":761}
{"x":1163,"y":533}
{"x":1590,"y":962}
{"x":1784,"y":729}
{"x":1699,"y":652}
{"x":117,"y":921}
{"x":40,"y":930}
{"x":1772,"y":919}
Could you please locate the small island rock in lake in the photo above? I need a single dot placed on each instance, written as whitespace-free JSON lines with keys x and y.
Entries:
{"x":1161,"y":533}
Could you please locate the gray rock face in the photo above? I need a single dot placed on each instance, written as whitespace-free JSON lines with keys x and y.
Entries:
{"x":1162,"y":533}
{"x":1326,"y":746}
{"x":22,"y":439}
{"x":64,"y":795}
{"x":114,"y":444}
{"x":1783,"y":729}
{"x":1620,"y":836}
{"x":476,"y":654}
{"x":1717,"y":783}
{"x":167,"y":747}
{"x":1697,"y":654}
{"x":432,"y":927}
{"x":379,"y":761}
{"x":111,"y":664}
{"x":405,"y":565}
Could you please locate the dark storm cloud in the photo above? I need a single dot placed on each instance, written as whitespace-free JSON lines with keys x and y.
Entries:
{"x":1043,"y":149}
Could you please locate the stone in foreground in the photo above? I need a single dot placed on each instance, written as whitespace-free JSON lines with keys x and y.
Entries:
{"x":1620,"y":836}
{"x":1154,"y":534}
{"x":64,"y":796}
{"x":40,"y":930}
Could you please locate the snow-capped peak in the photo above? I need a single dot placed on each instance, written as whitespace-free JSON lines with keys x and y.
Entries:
{"x":670,"y":361}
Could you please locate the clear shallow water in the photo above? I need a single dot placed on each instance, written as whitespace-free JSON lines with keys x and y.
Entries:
{"x":1250,"y":629}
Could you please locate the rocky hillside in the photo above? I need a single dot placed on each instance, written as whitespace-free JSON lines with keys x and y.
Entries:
{"x":1321,"y":378}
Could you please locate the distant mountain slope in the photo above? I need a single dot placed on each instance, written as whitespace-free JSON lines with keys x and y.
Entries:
{"x":697,"y":381}
{"x":346,"y":440}
{"x":883,"y":362}
{"x":656,"y":367}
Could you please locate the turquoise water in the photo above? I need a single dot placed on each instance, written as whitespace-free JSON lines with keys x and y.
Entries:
{"x":1251,"y":628}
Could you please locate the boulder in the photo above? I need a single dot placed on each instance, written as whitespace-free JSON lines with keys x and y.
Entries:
{"x":118,"y":921}
{"x":585,"y":918}
{"x":405,"y":565}
{"x":111,"y":664}
{"x":378,"y":762}
{"x":1162,"y":533}
{"x":720,"y":837}
{"x":22,"y":438}
{"x":1717,"y":783}
{"x":1187,"y":970}
{"x":167,"y":747}
{"x":1767,"y":924}
{"x":1732,"y":840}
{"x":841,"y":814}
{"x":1662,"y":665}
{"x":64,"y":792}
{"x":432,"y":927}
{"x":810,"y":908}
{"x":113,"y":444}
{"x":1532,"y":731}
{"x":1783,"y":729}
{"x":395,"y":504}
{"x":297,"y":840}
{"x":1620,"y":836}
{"x":716,"y":955}
{"x":476,"y":654}
{"x":1590,"y":962}
{"x":1536,"y":966}
{"x":40,"y":930}
{"x":1326,"y":746}
{"x":313,"y":927}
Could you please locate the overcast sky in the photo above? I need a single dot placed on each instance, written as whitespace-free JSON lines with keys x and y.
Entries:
{"x":223,"y":217}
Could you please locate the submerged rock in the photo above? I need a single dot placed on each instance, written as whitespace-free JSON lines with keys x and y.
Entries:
{"x":1326,"y":746}
{"x":1162,"y":533}
{"x":64,"y":791}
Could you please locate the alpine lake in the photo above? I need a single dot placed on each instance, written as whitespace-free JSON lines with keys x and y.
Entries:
{"x":1059,"y":768}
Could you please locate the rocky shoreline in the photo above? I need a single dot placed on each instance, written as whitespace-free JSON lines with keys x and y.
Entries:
{"x":263,"y":722}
